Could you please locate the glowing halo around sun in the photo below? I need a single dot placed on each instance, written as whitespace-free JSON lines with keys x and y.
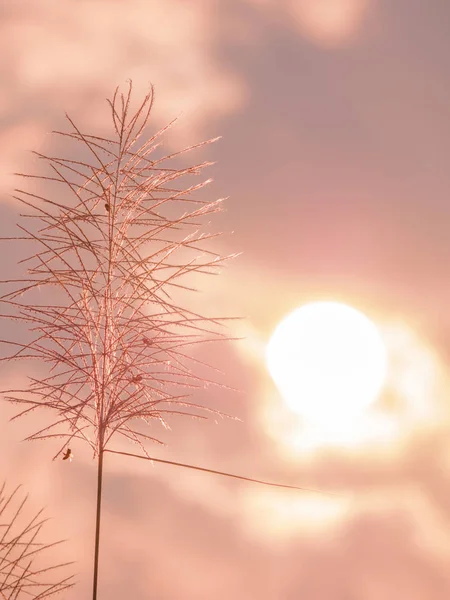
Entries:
{"x":328,"y":361}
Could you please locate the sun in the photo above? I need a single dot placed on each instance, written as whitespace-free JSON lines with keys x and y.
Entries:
{"x":328,"y":361}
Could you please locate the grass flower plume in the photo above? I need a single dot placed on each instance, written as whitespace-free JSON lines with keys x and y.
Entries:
{"x":114,"y":248}
{"x":24,"y":573}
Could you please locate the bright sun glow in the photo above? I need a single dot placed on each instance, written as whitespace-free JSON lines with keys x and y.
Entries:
{"x":328,"y":361}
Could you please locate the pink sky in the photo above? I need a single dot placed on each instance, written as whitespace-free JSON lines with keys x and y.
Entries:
{"x":336,"y":132}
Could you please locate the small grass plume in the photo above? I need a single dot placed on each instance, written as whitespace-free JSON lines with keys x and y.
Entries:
{"x":24,"y":572}
{"x":116,"y":246}
{"x":113,"y":251}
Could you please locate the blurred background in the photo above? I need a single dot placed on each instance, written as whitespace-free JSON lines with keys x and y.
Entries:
{"x":336,"y":132}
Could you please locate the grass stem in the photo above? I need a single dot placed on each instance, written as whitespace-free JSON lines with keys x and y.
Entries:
{"x":97,"y":521}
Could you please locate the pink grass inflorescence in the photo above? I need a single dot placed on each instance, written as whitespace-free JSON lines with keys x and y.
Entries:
{"x":115,"y":247}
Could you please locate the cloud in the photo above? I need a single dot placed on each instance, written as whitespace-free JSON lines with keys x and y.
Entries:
{"x":58,"y":57}
{"x":328,"y":22}
{"x":325,"y":23}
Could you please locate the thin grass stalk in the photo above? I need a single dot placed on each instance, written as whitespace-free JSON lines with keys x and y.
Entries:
{"x":97,"y":522}
{"x":216,"y":472}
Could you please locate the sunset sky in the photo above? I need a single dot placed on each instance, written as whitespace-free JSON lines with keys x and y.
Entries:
{"x":334,"y":117}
